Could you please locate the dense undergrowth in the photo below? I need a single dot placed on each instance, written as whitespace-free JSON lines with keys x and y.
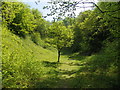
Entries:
{"x":21,"y":61}
{"x":26,"y":65}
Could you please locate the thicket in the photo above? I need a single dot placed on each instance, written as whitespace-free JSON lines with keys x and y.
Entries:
{"x":92,"y":28}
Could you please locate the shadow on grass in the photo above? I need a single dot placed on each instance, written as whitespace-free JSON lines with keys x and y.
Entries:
{"x":56,"y":81}
{"x":80,"y":80}
{"x":76,"y":64}
{"x":48,"y":82}
{"x":92,"y":74}
{"x":92,"y":80}
{"x":102,"y":70}
{"x":66,"y":72}
{"x":76,"y":56}
{"x":50,"y":64}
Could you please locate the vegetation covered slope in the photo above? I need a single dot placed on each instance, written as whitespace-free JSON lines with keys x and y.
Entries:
{"x":21,"y":60}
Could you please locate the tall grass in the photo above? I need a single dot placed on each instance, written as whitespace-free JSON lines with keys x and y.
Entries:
{"x":22,"y":61}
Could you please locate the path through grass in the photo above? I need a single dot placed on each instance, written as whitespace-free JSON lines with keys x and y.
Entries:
{"x":74,"y":73}
{"x":64,"y":74}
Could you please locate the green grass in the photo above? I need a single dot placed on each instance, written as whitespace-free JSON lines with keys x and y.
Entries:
{"x":26,"y":65}
{"x":22,"y":61}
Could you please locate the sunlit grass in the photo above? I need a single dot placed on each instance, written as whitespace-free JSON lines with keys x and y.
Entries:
{"x":22,"y":61}
{"x":26,"y":65}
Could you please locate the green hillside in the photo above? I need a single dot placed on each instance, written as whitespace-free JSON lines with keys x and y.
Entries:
{"x":22,"y":60}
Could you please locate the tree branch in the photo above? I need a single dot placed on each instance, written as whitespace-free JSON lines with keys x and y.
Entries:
{"x":66,"y":6}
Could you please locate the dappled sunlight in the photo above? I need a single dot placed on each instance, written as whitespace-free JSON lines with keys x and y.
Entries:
{"x":74,"y":74}
{"x":50,"y":64}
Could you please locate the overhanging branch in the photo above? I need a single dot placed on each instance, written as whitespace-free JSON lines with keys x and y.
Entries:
{"x":66,"y":7}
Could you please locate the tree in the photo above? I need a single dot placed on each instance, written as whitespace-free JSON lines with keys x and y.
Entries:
{"x":92,"y":28}
{"x":80,"y":43}
{"x":60,"y":36}
{"x":111,"y":16}
{"x":68,"y":21}
{"x":40,"y":22}
{"x":41,"y":27}
{"x":18,"y":18}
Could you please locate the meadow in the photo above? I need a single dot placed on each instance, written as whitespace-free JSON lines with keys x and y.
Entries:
{"x":27,"y":65}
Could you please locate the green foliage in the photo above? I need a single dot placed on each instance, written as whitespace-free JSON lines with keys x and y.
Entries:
{"x":81,"y":33}
{"x":22,"y":61}
{"x":93,"y":27}
{"x":18,"y":17}
{"x":60,"y":36}
{"x":41,"y":24}
{"x":111,"y":16}
{"x":35,"y":37}
{"x":68,"y":21}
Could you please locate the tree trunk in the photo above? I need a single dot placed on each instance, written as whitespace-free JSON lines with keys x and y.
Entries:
{"x":58,"y":55}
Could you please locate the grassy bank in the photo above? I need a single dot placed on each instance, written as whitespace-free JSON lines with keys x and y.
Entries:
{"x":22,"y":61}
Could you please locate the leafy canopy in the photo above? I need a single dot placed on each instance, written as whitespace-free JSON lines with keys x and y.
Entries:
{"x":59,"y":35}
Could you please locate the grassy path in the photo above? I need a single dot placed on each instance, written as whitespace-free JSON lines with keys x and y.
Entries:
{"x":63,"y":74}
{"x":68,"y":71}
{"x":74,"y":74}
